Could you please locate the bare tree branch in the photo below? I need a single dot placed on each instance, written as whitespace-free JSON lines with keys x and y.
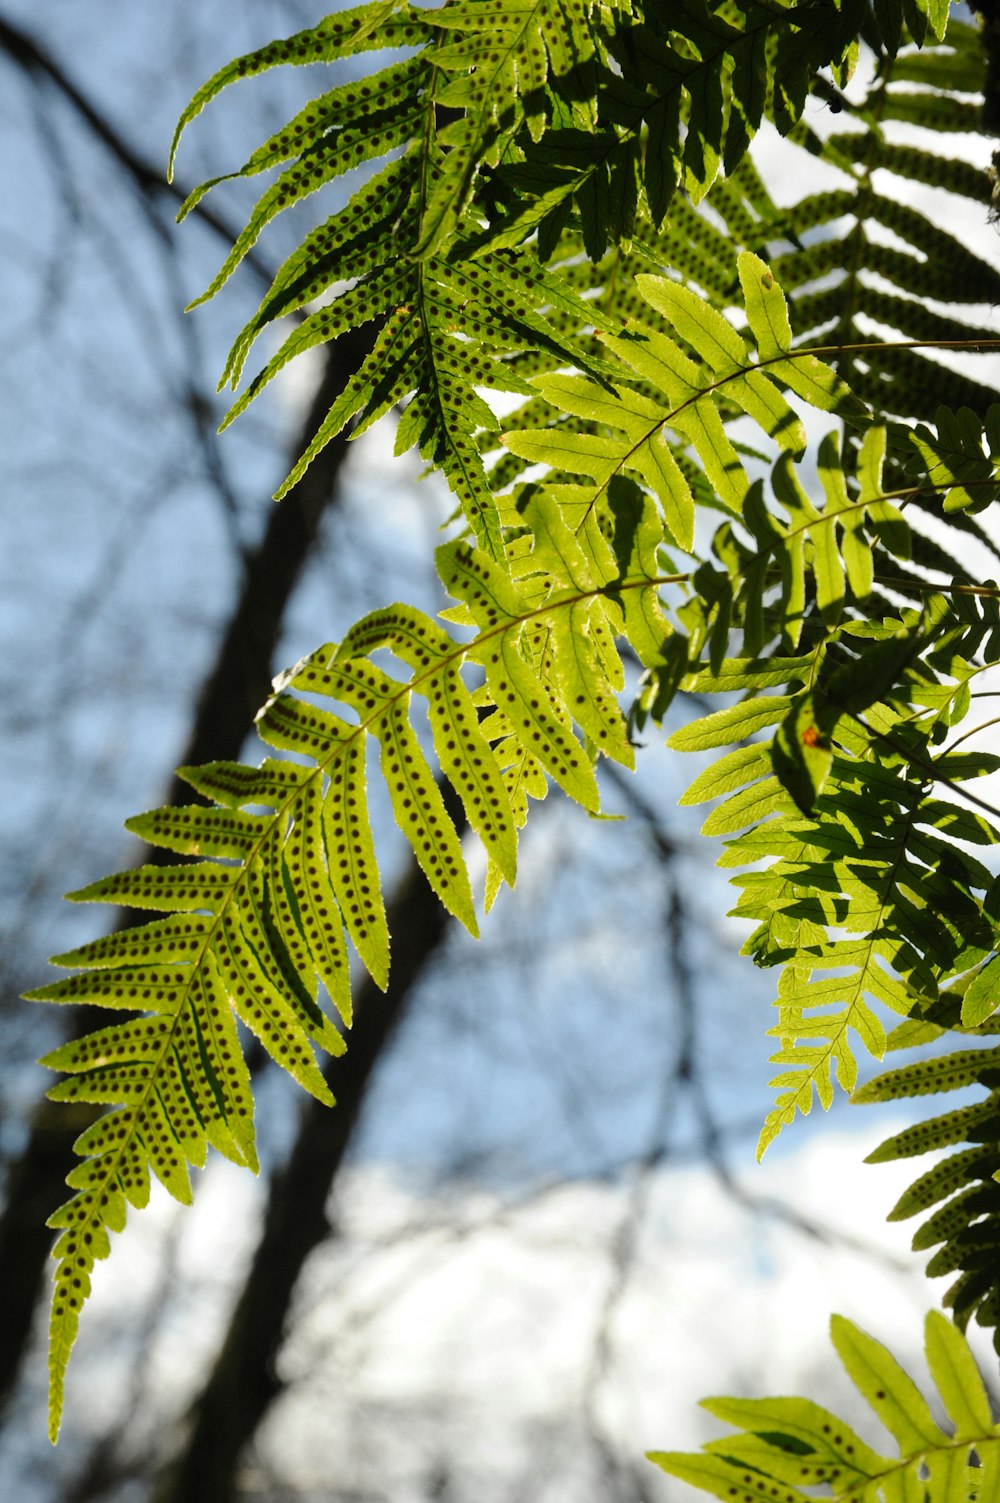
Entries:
{"x":146,"y":177}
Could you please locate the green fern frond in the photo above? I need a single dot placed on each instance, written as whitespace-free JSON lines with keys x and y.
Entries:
{"x":257,"y":924}
{"x":867,"y":899}
{"x":384,"y":24}
{"x":967,"y":1224}
{"x":497,"y":56}
{"x":787,"y":1447}
{"x":680,"y":98}
{"x":955,"y":460}
{"x":445,"y":330}
{"x":689,"y":394}
{"x":869,"y":284}
{"x":335,"y":154}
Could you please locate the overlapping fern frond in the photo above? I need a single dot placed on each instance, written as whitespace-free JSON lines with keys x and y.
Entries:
{"x":698,"y":247}
{"x":496,"y":57}
{"x":442,"y":328}
{"x":685,"y":406}
{"x":680,"y":95}
{"x":443,"y":331}
{"x":787,"y":1447}
{"x":863,"y":900}
{"x":873,"y":266}
{"x":960,"y":1190}
{"x":609,"y":113}
{"x":869,"y":895}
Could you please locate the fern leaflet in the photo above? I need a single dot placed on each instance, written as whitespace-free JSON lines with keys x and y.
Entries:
{"x":786,"y":1447}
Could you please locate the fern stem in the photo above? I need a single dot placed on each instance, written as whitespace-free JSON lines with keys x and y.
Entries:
{"x":984,"y":726}
{"x":928,"y":587}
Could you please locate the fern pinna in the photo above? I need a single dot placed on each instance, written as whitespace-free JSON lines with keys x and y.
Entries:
{"x":785,"y":1448}
{"x":534,"y":222}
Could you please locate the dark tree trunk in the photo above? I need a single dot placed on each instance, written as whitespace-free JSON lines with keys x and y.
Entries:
{"x":240,"y":679}
{"x":243,"y":1382}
